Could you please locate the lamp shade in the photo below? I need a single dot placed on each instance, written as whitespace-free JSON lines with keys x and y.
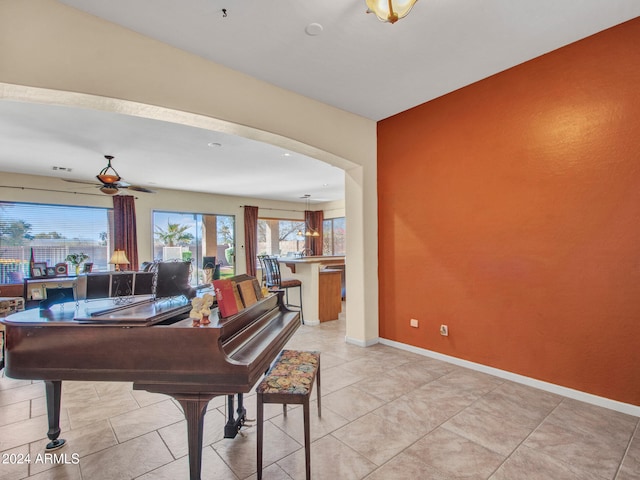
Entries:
{"x":119,"y":258}
{"x":390,"y":10}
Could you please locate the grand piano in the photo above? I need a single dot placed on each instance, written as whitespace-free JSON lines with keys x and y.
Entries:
{"x":153,"y":344}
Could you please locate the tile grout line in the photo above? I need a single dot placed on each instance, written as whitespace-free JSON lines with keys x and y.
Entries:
{"x":522,"y":442}
{"x":636,"y":431}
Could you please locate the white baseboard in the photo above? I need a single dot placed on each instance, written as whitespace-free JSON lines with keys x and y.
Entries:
{"x":627,"y":408}
{"x":360,"y":343}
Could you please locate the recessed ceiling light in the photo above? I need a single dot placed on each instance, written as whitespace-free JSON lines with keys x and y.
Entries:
{"x":214,"y":144}
{"x":313,"y":29}
{"x":286,"y":154}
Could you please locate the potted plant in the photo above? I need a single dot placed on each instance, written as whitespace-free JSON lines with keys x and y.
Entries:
{"x":77,"y":259}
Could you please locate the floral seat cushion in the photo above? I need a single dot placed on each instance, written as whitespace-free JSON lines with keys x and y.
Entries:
{"x":292,"y":373}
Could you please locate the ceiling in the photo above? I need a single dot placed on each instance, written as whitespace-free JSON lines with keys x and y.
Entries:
{"x":70,"y":143}
{"x":352,"y":61}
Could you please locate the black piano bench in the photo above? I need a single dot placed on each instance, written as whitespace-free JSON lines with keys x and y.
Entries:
{"x":290,"y":381}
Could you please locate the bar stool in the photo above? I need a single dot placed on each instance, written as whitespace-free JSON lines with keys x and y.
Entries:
{"x":273,"y":279}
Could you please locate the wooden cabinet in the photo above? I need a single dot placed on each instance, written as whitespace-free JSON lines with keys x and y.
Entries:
{"x":330,"y":294}
{"x":11,"y":290}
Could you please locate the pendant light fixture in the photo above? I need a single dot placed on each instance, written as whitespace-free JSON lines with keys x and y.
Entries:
{"x":308,"y":231}
{"x":390,"y":10}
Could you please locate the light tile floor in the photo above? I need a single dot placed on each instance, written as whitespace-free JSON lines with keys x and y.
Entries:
{"x":386,"y":414}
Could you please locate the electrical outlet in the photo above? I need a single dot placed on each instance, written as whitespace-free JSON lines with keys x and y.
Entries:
{"x":444,"y":330}
{"x":414,"y":323}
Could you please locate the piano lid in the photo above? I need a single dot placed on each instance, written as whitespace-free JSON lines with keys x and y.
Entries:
{"x":142,"y":311}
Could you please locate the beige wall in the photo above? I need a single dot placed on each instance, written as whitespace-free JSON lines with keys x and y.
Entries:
{"x":77,"y":59}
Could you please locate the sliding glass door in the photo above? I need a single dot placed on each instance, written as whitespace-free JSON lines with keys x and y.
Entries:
{"x":197,"y":238}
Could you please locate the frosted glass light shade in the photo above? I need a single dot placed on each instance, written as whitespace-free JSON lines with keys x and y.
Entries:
{"x":390,"y":10}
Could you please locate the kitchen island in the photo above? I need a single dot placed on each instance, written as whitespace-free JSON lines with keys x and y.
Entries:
{"x":322,"y":284}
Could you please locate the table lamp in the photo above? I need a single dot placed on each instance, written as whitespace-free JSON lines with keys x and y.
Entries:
{"x":119,"y":258}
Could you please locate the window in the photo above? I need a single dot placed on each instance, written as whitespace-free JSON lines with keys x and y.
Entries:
{"x":194,"y":236}
{"x":334,"y":236}
{"x":52,"y":232}
{"x":280,"y":237}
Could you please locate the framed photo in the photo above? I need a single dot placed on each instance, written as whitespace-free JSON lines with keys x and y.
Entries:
{"x":36,"y":294}
{"x":88,"y":266}
{"x":51,"y":271}
{"x":61,"y":269}
{"x":39,"y":269}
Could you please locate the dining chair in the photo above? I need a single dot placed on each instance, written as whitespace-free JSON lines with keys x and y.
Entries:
{"x":273,"y":280}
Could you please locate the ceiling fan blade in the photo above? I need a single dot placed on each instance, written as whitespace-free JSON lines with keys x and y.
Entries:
{"x":80,"y":181}
{"x":137,"y":188}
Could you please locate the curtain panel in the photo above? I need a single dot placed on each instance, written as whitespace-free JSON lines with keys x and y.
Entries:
{"x":313,"y":221}
{"x":251,"y":238}
{"x":124,"y":226}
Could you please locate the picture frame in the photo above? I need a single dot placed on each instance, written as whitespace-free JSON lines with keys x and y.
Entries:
{"x":61,"y":270}
{"x":88,"y":266}
{"x":36,"y":294}
{"x":39,"y":269}
{"x":51,"y":271}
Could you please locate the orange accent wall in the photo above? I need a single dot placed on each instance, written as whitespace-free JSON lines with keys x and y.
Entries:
{"x":510,"y":211}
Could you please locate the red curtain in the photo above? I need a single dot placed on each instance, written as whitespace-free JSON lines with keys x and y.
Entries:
{"x":251,"y":238}
{"x":313,"y":222}
{"x":124,"y":226}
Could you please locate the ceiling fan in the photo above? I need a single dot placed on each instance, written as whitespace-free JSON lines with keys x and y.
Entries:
{"x":110,"y":181}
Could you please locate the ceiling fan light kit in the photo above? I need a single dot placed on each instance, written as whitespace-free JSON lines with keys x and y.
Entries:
{"x":109,"y":189}
{"x":390,"y":10}
{"x":105,"y":176}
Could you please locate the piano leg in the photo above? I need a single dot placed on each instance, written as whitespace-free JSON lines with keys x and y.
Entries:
{"x":53,"y":390}
{"x":194,"y":406}
{"x":242,"y":412}
{"x":234,"y":425}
